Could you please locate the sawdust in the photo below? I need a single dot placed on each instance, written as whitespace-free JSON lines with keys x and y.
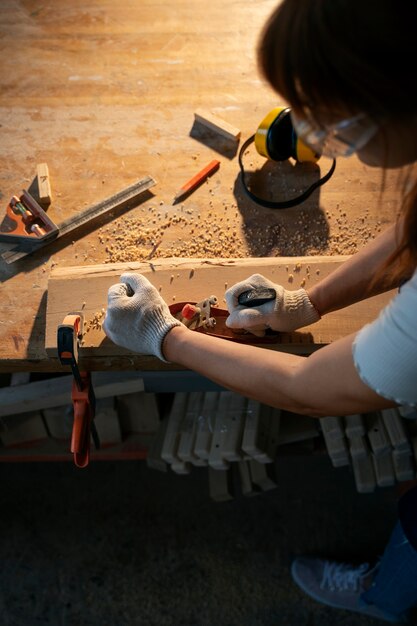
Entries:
{"x":95,"y":322}
{"x":220,"y":231}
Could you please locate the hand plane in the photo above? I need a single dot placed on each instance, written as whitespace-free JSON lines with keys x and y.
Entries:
{"x":26,"y":223}
{"x":206,"y":317}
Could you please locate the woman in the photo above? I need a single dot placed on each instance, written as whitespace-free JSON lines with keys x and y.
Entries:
{"x":340,"y":65}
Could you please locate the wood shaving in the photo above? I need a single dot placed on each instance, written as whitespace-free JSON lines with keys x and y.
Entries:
{"x":154,"y":233}
{"x":96,"y":322}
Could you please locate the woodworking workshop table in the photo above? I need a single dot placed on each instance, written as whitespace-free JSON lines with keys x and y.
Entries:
{"x":105,"y":93}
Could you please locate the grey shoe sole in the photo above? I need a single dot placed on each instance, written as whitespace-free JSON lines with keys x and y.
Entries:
{"x":370,"y":610}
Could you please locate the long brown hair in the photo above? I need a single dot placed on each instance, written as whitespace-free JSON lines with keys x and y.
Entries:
{"x":348,"y":55}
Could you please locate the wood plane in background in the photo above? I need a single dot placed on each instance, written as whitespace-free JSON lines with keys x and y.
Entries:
{"x":85,"y":289}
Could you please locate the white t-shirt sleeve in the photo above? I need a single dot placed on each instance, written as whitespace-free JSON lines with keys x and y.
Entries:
{"x":385,"y":351}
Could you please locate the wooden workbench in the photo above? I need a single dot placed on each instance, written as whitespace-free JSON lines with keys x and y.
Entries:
{"x":105,"y":93}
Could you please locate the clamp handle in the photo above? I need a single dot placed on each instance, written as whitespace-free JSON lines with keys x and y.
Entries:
{"x":67,"y":338}
{"x":84,"y":411}
{"x":83,"y":399}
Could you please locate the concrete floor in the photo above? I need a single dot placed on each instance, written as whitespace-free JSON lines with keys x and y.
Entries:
{"x":119,"y":544}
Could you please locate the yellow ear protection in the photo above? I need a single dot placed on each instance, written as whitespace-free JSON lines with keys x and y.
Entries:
{"x":277,"y":140}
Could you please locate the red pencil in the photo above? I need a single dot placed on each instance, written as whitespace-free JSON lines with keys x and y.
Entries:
{"x":196,"y":180}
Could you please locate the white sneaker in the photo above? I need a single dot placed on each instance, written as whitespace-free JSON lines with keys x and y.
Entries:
{"x":338,"y":585}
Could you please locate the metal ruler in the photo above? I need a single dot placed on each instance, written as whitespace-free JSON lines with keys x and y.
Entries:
{"x":119,"y":200}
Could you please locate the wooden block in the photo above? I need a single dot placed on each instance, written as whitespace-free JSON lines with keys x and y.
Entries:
{"x":246,"y":479}
{"x":260,"y":477}
{"x":169,"y":450}
{"x":107,"y":422}
{"x":59,"y":421}
{"x":107,"y":384}
{"x":354,"y":426}
{"x":269,"y":434}
{"x":408,"y":412}
{"x":337,"y":450}
{"x":172,"y":434}
{"x":340,"y":460}
{"x":220,"y":485}
{"x":254,"y":439}
{"x":138,"y":413}
{"x":395,"y":428}
{"x":19,"y":378}
{"x":332,"y":427}
{"x":384,"y":469}
{"x":154,"y":458}
{"x":52,"y":392}
{"x":217,"y":125}
{"x":404,"y":467}
{"x":377,"y":434}
{"x":23,"y":429}
{"x":358,"y":447}
{"x":235,"y":422}
{"x":189,"y":428}
{"x":216,"y":459}
{"x":44,"y":185}
{"x":363,"y":471}
{"x":180,"y":467}
{"x":205,"y":426}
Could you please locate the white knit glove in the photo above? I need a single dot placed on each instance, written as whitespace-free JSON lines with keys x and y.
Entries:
{"x":137,"y":317}
{"x":287,"y":312}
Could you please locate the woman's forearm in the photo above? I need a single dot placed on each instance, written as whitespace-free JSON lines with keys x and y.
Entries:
{"x":354,"y":280}
{"x":242,"y":368}
{"x":307,"y":385}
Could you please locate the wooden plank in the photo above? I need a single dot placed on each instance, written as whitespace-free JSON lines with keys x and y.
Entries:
{"x":85,"y":289}
{"x":273,"y":437}
{"x":354,"y":426}
{"x":205,"y":425}
{"x":216,"y":124}
{"x":384,"y":469}
{"x":44,"y":185}
{"x":232,"y":448}
{"x":59,"y":421}
{"x":334,"y":437}
{"x":50,"y":449}
{"x":169,"y":452}
{"x":107,"y":422}
{"x":377,"y":434}
{"x":260,"y":476}
{"x":395,"y":427}
{"x":44,"y":394}
{"x":403,"y":465}
{"x":186,"y":452}
{"x":246,"y":479}
{"x":220,"y":485}
{"x":358,"y":447}
{"x":364,"y":474}
{"x":271,"y":428}
{"x":154,"y":459}
{"x":256,"y":428}
{"x":216,"y":459}
{"x":138,"y":413}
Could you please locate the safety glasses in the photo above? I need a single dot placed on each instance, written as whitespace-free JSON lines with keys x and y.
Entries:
{"x":336,"y":140}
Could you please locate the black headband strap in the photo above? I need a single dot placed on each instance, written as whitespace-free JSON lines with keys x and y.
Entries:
{"x":285,"y":204}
